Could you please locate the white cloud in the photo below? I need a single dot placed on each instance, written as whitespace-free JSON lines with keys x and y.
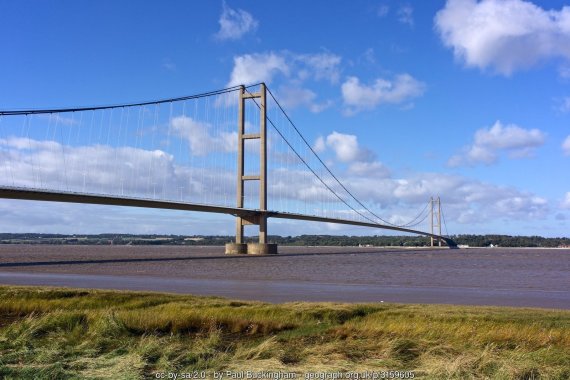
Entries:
{"x":346,"y":148}
{"x":505,"y":35}
{"x":255,"y":68}
{"x":321,"y":65}
{"x":566,"y":201}
{"x":406,"y":15}
{"x":465,"y":201}
{"x":358,"y":97}
{"x":375,"y":169}
{"x":398,"y":200}
{"x":234,"y":23}
{"x":104,"y":169}
{"x":297,"y":69}
{"x":472,"y":201}
{"x":293,"y":97}
{"x":319,"y":145}
{"x":200,"y":138}
{"x":566,"y":146}
{"x":488,"y":142}
{"x":95,"y":219}
{"x":158,"y":174}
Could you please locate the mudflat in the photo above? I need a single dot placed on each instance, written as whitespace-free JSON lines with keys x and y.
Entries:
{"x":497,"y":276}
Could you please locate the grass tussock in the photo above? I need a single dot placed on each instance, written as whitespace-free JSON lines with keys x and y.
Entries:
{"x":48,"y":333}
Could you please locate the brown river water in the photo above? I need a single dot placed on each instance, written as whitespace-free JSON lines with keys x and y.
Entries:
{"x":485,"y":276}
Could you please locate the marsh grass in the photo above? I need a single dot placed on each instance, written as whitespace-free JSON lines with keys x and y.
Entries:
{"x":50,"y":333}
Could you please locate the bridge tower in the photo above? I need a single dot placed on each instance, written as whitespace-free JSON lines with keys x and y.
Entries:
{"x":435,"y":204}
{"x":260,"y":219}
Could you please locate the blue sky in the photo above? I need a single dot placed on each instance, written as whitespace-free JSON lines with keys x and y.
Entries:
{"x":465,"y":99}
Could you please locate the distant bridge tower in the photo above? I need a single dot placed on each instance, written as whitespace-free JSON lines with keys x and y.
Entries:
{"x":260,"y":219}
{"x":435,"y":206}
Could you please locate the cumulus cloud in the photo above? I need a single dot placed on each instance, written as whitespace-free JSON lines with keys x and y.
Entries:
{"x":263,"y":67}
{"x":399,"y":200}
{"x":346,"y":148}
{"x":503,"y":35}
{"x":96,"y":219}
{"x":114,"y":170}
{"x":319,"y":146}
{"x":258,"y":67}
{"x":200,"y":138}
{"x":465,"y":200}
{"x":566,"y":146}
{"x":293,"y":97}
{"x":188,"y":173}
{"x":157,"y":174}
{"x":375,"y":168}
{"x":297,"y":69}
{"x":489,"y":142}
{"x":235,"y":23}
{"x":319,"y":66}
{"x":401,"y":89}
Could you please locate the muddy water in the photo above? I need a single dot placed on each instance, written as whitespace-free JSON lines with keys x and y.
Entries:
{"x":499,"y":276}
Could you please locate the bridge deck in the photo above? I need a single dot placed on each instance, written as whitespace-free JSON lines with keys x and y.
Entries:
{"x":72,"y":197}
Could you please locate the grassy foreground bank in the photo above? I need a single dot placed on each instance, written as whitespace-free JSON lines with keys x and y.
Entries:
{"x":50,"y":333}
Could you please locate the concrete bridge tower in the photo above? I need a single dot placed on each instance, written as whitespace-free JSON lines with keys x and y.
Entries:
{"x":260,"y":219}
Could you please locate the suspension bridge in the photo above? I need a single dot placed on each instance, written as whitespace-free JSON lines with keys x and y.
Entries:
{"x":233,"y":151}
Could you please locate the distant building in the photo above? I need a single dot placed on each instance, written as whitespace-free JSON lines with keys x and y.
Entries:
{"x":194,"y":239}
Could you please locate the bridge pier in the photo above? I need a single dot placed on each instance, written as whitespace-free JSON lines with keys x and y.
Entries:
{"x":251,"y":249}
{"x":261,"y":249}
{"x":236,"y":248}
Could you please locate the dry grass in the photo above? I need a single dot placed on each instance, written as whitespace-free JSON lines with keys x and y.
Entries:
{"x":48,"y":333}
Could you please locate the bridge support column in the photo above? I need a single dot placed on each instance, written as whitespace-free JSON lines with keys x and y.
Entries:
{"x":262,"y":247}
{"x":438,"y":219}
{"x":236,"y":249}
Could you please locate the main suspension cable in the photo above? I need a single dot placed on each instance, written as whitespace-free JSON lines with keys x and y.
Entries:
{"x":96,"y":108}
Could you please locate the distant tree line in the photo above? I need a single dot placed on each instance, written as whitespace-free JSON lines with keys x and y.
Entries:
{"x":302,"y":240}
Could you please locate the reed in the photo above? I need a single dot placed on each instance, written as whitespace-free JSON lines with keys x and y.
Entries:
{"x":48,"y":333}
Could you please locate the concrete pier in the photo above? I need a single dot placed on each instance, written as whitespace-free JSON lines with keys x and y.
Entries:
{"x":251,"y":249}
{"x":236,"y":249}
{"x":261,"y":249}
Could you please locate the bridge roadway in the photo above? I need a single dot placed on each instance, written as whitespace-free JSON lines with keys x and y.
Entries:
{"x":7,"y":192}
